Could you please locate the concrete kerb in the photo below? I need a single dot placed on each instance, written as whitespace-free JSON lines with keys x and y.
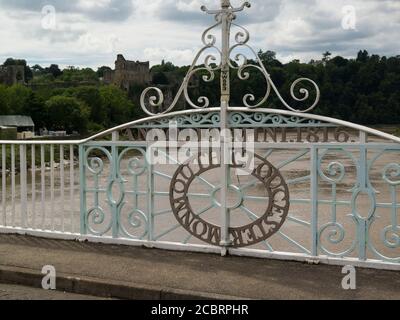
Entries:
{"x":105,"y":288}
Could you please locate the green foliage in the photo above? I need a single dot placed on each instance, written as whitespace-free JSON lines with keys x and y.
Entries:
{"x":45,"y":78}
{"x":117,"y":106}
{"x":364,"y":90}
{"x":8,"y":133}
{"x":95,"y":128}
{"x":4,"y":106}
{"x":164,"y":67}
{"x":90,"y":95}
{"x":160,"y":78}
{"x":66,"y":113}
{"x":54,"y":70}
{"x":85,"y":109}
{"x":14,"y":62}
{"x":101,"y":70}
{"x":37,"y":70}
{"x":72,"y":74}
{"x":19,"y":99}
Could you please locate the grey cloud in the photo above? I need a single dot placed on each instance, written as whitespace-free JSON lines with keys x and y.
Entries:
{"x":114,"y":10}
{"x":378,"y":25}
{"x":59,"y":35}
{"x":261,"y":11}
{"x":374,"y":30}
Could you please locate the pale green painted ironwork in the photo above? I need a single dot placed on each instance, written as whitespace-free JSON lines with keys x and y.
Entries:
{"x":235,"y":119}
{"x":325,"y":236}
{"x":115,"y":183}
{"x":119,"y":192}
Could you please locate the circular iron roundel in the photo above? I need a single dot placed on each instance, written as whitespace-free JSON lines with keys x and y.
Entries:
{"x":276,"y":205}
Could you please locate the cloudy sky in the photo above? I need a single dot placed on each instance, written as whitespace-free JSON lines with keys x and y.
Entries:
{"x":92,"y":32}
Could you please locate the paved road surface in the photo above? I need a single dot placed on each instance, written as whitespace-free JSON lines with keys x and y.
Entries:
{"x":12,"y":292}
{"x":115,"y":266}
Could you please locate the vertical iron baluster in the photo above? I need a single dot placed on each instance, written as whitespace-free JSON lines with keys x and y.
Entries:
{"x":13,"y":185}
{"x":23,"y":185}
{"x":62,"y":188}
{"x":52,"y":213}
{"x":33,"y":173}
{"x":43,"y":184}
{"x":3,"y":183}
{"x":72,"y":184}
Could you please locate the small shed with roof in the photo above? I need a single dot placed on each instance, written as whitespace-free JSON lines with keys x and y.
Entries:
{"x":22,"y":123}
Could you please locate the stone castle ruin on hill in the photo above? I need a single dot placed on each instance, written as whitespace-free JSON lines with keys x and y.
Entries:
{"x":13,"y":74}
{"x":128,"y":73}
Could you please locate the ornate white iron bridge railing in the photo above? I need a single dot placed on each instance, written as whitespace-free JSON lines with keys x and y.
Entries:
{"x":320,"y":189}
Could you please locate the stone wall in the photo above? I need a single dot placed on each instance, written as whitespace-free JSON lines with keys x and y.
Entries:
{"x":128,"y":73}
{"x":10,"y":75}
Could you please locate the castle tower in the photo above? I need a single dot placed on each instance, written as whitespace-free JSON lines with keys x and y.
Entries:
{"x":10,"y":75}
{"x":129,"y":73}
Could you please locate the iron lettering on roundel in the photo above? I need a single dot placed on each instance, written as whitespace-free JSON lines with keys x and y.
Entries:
{"x":262,"y":228}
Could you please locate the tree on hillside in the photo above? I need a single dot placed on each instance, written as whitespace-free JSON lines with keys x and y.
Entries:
{"x":160,"y":78}
{"x":66,"y":113}
{"x":4,"y":110}
{"x":91,"y":96}
{"x":14,"y":62}
{"x":72,"y":74}
{"x":37,"y":70}
{"x":269,"y":58}
{"x":20,"y":62}
{"x":117,"y":105}
{"x":362,"y":56}
{"x":164,"y":67}
{"x":326,"y":56}
{"x":54,"y":70}
{"x":101,"y":70}
{"x":19,"y":99}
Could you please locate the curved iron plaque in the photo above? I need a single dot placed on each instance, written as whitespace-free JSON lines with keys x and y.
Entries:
{"x":276,"y":211}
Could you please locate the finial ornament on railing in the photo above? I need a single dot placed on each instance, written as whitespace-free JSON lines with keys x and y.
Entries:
{"x":227,"y":61}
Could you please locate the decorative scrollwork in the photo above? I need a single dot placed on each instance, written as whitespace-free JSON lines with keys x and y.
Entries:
{"x":154,"y":101}
{"x":389,"y":228}
{"x":305,"y":93}
{"x":136,"y":220}
{"x":250,"y":97}
{"x":96,"y":217}
{"x":209,"y":39}
{"x":390,"y":172}
{"x":257,"y":118}
{"x":225,"y":17}
{"x":334,"y":233}
{"x":241,"y":37}
{"x":391,"y":236}
{"x":204,"y":101}
{"x":240,"y":57}
{"x":335,"y":172}
{"x":95,"y":165}
{"x":136,"y":165}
